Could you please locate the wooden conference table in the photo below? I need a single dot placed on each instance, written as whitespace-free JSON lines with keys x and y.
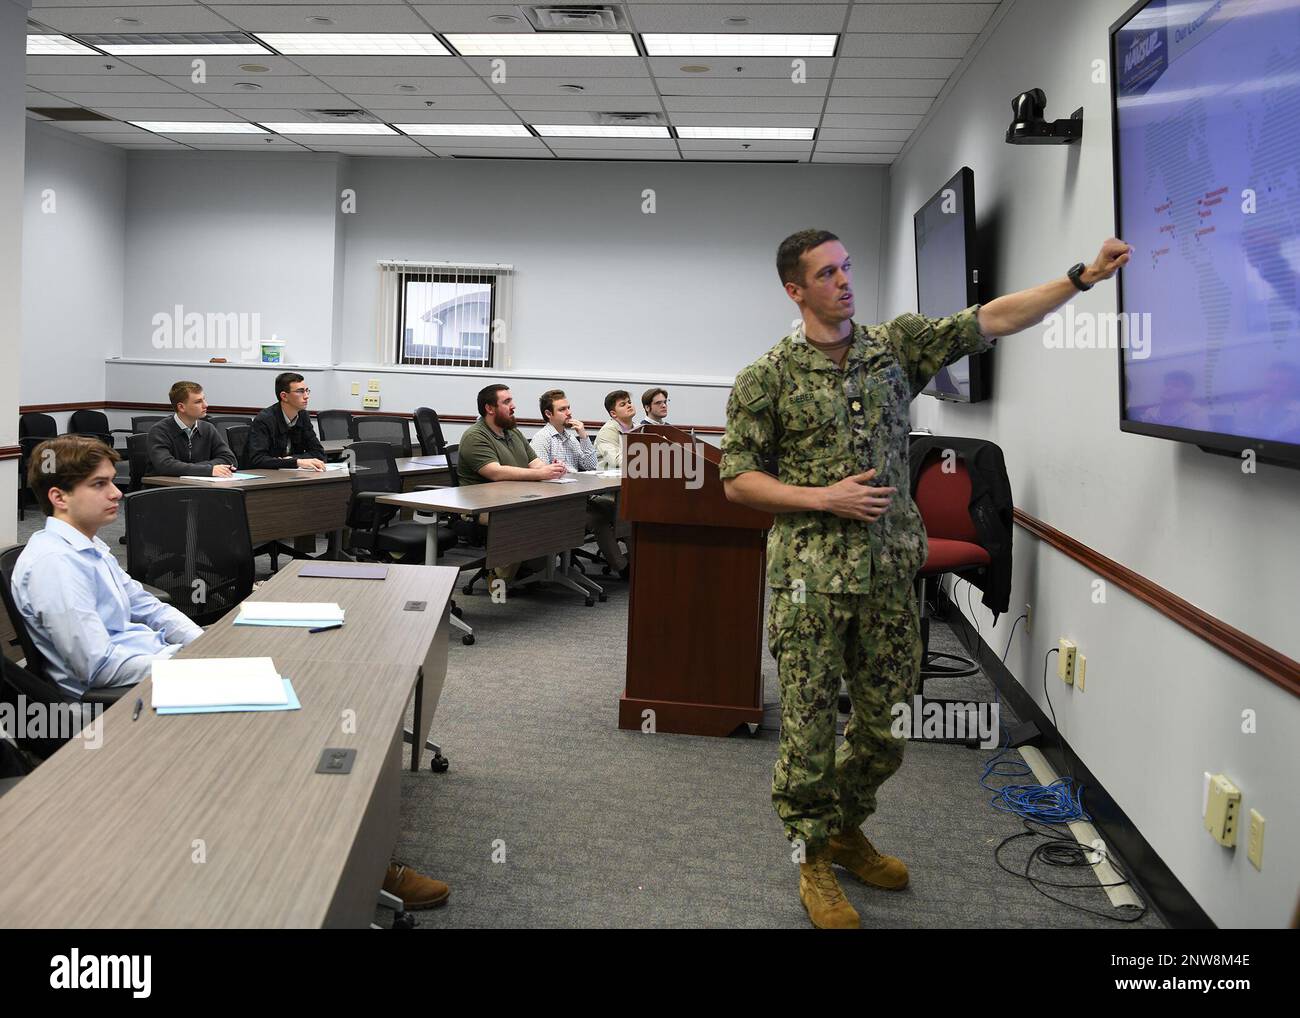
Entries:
{"x":220,"y":820}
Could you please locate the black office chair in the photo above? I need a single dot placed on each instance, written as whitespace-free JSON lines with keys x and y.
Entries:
{"x":94,"y":423}
{"x":237,"y":439}
{"x":194,"y":544}
{"x":393,"y":430}
{"x":16,"y":681}
{"x":428,"y":430}
{"x":335,"y":424}
{"x":137,"y":455}
{"x":224,"y":423}
{"x":39,"y":426}
{"x":33,"y":660}
{"x":143,"y":425}
{"x":33,"y":429}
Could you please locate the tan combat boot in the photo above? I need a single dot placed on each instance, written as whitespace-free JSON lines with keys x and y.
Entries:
{"x":821,"y":895}
{"x":856,"y":854}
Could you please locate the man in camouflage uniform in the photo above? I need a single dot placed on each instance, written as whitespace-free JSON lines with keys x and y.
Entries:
{"x":830,"y":402}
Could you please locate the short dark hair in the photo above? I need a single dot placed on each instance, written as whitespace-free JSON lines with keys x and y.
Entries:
{"x":181,"y":392}
{"x":792,"y":249}
{"x":547,"y":401}
{"x":63,"y":463}
{"x":614,"y":397}
{"x":487,"y":396}
{"x":649,"y":395}
{"x":285,"y":379}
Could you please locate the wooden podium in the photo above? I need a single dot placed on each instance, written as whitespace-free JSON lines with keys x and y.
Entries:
{"x":695,"y":612}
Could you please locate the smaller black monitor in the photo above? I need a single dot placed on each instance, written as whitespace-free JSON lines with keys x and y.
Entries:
{"x":947,"y":279}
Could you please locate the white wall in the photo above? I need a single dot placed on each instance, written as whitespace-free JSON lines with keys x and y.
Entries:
{"x":13,"y":36}
{"x":607,"y":297}
{"x":74,"y":232}
{"x":1161,"y":706}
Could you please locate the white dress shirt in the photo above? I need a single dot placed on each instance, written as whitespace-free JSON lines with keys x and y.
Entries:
{"x":576,"y":454}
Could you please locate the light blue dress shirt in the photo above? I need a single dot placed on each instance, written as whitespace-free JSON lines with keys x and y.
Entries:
{"x":95,"y":625}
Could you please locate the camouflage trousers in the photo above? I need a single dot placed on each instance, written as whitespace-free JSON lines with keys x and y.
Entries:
{"x":872,"y":642}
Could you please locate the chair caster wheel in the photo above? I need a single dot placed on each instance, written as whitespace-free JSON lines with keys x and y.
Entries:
{"x":403,"y":921}
{"x":589,"y":603}
{"x":603,"y":598}
{"x":439,"y":764}
{"x":467,"y":590}
{"x":467,"y":639}
{"x":458,"y":611}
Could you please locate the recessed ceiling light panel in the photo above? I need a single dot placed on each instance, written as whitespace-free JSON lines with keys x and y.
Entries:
{"x":375,"y":44}
{"x":468,"y":130}
{"x":660,"y":44}
{"x":549,"y":44}
{"x":589,"y":131}
{"x":55,"y":45}
{"x":754,"y":133}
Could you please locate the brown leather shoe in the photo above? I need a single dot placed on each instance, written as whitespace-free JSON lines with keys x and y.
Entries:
{"x":856,"y":854}
{"x":821,"y":895}
{"x":415,"y":889}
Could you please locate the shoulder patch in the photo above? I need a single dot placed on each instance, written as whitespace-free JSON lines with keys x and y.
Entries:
{"x":749,"y":388}
{"x":911,"y":325}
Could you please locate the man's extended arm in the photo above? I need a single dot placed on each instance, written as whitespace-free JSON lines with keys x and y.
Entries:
{"x":1015,"y":312}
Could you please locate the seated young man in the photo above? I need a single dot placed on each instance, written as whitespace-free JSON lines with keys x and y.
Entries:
{"x":655,"y":403}
{"x":564,"y":440}
{"x":282,"y":437}
{"x":95,"y":625}
{"x":184,"y":444}
{"x":609,"y":439}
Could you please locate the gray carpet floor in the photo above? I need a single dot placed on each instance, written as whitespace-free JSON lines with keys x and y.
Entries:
{"x":550,"y":816}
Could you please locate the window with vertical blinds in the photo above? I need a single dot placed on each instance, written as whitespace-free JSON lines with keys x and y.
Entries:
{"x":443,"y":313}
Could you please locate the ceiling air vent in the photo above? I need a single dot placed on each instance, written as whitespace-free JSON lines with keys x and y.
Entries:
{"x":630,"y":119}
{"x":69,"y":113}
{"x":577,"y":17}
{"x":338,"y":117}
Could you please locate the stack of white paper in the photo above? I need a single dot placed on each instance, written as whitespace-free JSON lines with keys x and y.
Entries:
{"x":307,"y":614}
{"x":216,"y":681}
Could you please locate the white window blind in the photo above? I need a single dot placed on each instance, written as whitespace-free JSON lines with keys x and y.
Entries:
{"x":443,"y":313}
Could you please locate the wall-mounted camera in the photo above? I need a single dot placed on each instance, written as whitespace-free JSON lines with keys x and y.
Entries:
{"x":1029,"y":127}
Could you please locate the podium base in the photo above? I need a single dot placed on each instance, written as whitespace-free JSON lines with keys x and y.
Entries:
{"x":678,"y":718}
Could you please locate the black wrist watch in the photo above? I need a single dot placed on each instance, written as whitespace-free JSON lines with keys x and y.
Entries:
{"x":1075,"y":272}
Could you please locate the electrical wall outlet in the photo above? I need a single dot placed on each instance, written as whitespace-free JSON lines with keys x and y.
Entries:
{"x":1065,"y":661}
{"x":1255,"y":840}
{"x":356,"y":388}
{"x":370,"y":402}
{"x":1221,"y":812}
{"x":373,"y":385}
{"x":1080,"y":671}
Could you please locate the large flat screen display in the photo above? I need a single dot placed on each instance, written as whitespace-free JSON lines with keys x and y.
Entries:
{"x":1207,"y":190}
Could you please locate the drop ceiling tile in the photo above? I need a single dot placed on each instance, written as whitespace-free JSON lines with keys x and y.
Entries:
{"x":35,"y":97}
{"x":561,"y":68}
{"x":862,"y":134}
{"x":441,"y":143}
{"x":562,"y":146}
{"x":577,"y":117}
{"x":384,"y":85}
{"x":162,"y":113}
{"x":155,"y":147}
{"x":746,"y":119}
{"x":745,"y":157}
{"x":902,"y":121}
{"x":86,"y":64}
{"x":705,"y":85}
{"x":902,"y":44}
{"x":417,"y":103}
{"x":451,"y":117}
{"x":183,"y":18}
{"x":866,"y":159}
{"x":346,"y":17}
{"x":110,"y":127}
{"x":914,"y":17}
{"x":132,"y":100}
{"x":471,"y":17}
{"x":887,"y":87}
{"x":99,"y":83}
{"x":772,"y":18}
{"x":595,"y":153}
{"x":639,"y":84}
{"x":38,"y":6}
{"x":277,"y":145}
{"x":736,"y":104}
{"x":725,"y":67}
{"x":864,"y":104}
{"x":895,"y":67}
{"x":411,"y":150}
{"x":738,"y":146}
{"x":300,"y":84}
{"x":584,"y":101}
{"x":214,"y":66}
{"x":833,"y":145}
{"x":279,"y":100}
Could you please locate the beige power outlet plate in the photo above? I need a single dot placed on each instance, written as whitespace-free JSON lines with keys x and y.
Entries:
{"x":1066,"y":660}
{"x":356,"y":388}
{"x":1222,"y":811}
{"x":370,"y":402}
{"x":373,"y":385}
{"x":1255,"y":840}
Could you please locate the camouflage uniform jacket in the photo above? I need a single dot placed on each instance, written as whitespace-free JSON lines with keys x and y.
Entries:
{"x":824,"y":424}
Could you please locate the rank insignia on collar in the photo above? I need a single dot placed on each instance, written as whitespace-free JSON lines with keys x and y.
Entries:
{"x":856,"y":406}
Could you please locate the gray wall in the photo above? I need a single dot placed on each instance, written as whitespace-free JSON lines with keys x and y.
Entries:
{"x":72,"y":265}
{"x":607,"y":297}
{"x":13,"y":40}
{"x":1160,"y":705}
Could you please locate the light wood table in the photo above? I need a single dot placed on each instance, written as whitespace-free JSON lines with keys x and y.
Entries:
{"x":219,"y":820}
{"x":285,"y":504}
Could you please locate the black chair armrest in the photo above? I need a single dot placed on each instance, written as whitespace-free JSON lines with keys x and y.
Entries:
{"x":107,"y":695}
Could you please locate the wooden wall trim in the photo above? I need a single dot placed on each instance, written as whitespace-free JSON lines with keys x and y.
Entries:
{"x":115,"y":404}
{"x":10,"y":452}
{"x":1272,"y":664}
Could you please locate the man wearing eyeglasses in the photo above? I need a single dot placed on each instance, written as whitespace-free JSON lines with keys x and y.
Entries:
{"x":655,"y":403}
{"x":282,"y":437}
